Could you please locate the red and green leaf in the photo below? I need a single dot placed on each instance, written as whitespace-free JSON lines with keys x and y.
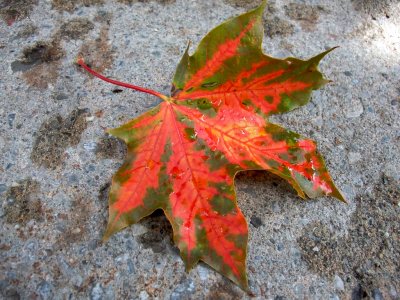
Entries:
{"x":183,"y":155}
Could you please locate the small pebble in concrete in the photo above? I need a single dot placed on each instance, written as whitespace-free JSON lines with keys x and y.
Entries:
{"x":97,"y":292}
{"x":354,"y":109}
{"x":11,"y":118}
{"x":338,"y":282}
{"x":255,"y":221}
{"x":45,"y":290}
{"x":377,"y":294}
{"x":144,"y":295}
{"x":3,"y":188}
{"x":354,"y":157}
{"x":347,"y":73}
{"x":90,"y":146}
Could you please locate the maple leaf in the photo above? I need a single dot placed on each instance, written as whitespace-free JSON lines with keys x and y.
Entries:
{"x":183,"y":154}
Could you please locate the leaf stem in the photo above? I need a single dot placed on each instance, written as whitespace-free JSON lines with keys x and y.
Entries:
{"x":81,"y":62}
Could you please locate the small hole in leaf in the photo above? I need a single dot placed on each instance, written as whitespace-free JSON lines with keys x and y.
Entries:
{"x":117,"y":91}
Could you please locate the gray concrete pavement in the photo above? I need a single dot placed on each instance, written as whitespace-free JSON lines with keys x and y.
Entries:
{"x":56,"y":161}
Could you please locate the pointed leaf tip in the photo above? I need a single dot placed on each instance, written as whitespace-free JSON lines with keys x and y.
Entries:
{"x":261,"y":8}
{"x":189,"y":43}
{"x":317,"y":59}
{"x":263,"y":4}
{"x":338,"y":195}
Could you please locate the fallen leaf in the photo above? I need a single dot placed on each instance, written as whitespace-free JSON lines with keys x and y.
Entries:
{"x":183,"y":154}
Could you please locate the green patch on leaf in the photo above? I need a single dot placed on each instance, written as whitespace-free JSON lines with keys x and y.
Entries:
{"x":222,"y":205}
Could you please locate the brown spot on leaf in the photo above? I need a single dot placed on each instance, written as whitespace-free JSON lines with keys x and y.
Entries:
{"x":70,"y":5}
{"x":368,"y":255}
{"x":111,"y":148}
{"x":76,"y":28}
{"x":55,"y":135}
{"x":14,"y":10}
{"x":98,"y":53}
{"x":307,"y":15}
{"x":23,"y":203}
{"x":159,"y":234}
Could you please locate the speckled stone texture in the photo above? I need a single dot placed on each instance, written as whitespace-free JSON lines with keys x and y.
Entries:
{"x":56,"y":161}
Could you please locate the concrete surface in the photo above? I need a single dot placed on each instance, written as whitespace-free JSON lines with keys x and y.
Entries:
{"x":56,"y":161}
